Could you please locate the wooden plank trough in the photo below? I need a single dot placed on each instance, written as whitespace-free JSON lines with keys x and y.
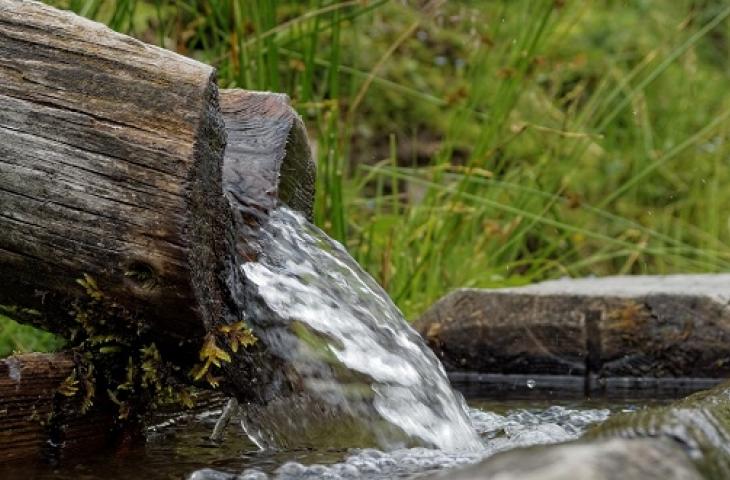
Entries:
{"x":116,"y":162}
{"x":598,"y":336}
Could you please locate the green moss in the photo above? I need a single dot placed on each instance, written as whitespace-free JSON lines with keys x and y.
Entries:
{"x":117,"y":361}
{"x":233,"y":336}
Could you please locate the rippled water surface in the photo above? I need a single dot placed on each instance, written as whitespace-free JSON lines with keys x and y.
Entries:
{"x":352,"y":373}
{"x":180,"y":449}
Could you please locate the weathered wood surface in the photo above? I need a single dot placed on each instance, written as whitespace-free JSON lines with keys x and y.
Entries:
{"x":45,"y":415}
{"x":267,"y":161}
{"x":39,"y":422}
{"x":267,"y":158}
{"x":112,"y":169}
{"x":677,"y":326}
{"x":110,"y":154}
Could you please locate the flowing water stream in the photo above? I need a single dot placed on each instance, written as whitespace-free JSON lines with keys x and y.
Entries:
{"x":179,"y":448}
{"x":349,"y":347}
{"x":365,"y":397}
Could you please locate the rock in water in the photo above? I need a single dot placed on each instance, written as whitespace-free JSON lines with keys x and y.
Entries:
{"x":616,"y":459}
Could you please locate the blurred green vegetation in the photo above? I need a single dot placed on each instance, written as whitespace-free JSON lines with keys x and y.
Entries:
{"x":488,"y":143}
{"x":24,"y":338}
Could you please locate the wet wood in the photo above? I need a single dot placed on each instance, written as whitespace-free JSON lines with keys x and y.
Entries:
{"x":676,"y":326}
{"x":38,"y":422}
{"x":112,"y":207}
{"x":110,"y":154}
{"x":482,"y":331}
{"x":267,"y":158}
{"x":267,"y":161}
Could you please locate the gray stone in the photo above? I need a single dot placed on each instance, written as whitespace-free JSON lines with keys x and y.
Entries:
{"x":687,"y":439}
{"x":615,"y":459}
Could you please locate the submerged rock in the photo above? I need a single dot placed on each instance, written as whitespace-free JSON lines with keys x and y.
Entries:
{"x":700,"y":424}
{"x":633,"y":326}
{"x":688,"y":439}
{"x":615,"y":459}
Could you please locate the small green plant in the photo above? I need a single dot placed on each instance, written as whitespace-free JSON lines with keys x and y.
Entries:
{"x":211,"y":355}
{"x":113,"y":357}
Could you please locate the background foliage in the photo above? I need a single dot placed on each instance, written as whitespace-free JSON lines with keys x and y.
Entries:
{"x":488,"y":143}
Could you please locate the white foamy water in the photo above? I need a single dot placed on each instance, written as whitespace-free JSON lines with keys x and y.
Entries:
{"x":517,"y":428}
{"x":314,"y":307}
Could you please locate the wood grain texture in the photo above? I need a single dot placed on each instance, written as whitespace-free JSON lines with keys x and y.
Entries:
{"x":110,"y":165}
{"x":36,"y":421}
{"x":267,"y":161}
{"x":644,"y":326}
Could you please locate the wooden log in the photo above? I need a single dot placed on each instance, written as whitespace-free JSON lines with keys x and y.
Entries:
{"x":37,"y":421}
{"x":47,"y":414}
{"x":603,"y":329}
{"x":113,"y":216}
{"x":110,"y":154}
{"x":267,"y":161}
{"x":498,"y":332}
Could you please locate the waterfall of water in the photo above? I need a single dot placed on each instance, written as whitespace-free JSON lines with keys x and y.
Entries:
{"x":347,"y":347}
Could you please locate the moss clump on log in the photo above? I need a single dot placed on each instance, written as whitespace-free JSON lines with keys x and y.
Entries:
{"x":117,"y":358}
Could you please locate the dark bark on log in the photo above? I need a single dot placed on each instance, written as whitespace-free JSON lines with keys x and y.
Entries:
{"x":676,"y":326}
{"x":37,"y":421}
{"x":110,"y":154}
{"x":44,"y":415}
{"x":111,"y":168}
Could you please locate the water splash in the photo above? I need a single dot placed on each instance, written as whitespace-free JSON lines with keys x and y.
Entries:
{"x":350,"y":353}
{"x":517,"y":428}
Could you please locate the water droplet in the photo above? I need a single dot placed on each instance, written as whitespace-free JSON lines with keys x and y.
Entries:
{"x":531,"y":384}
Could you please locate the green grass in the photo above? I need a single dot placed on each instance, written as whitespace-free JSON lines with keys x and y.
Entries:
{"x":23,"y":338}
{"x":484,"y":144}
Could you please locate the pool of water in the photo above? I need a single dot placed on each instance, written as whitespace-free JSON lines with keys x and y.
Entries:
{"x":179,"y":448}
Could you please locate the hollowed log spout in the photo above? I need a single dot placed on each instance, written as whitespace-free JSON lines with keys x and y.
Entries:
{"x":115,"y":230}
